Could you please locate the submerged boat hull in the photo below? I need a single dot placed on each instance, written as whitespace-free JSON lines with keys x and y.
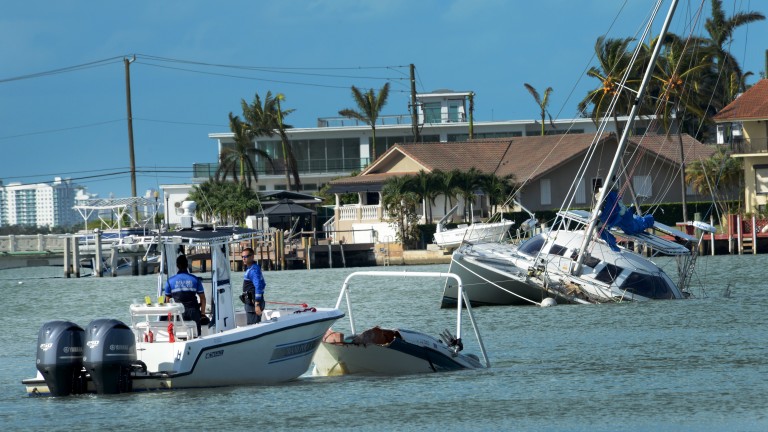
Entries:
{"x":490,"y":282}
{"x":405,"y":352}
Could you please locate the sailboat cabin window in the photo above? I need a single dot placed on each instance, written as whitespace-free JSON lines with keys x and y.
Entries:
{"x":761,"y":179}
{"x":556,"y":249}
{"x":608,"y":273}
{"x":532,"y":246}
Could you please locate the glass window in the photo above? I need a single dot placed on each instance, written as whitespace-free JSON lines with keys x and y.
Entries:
{"x":432,"y":112}
{"x":608,"y":274}
{"x":646,"y":285}
{"x":643,"y":185}
{"x":351,"y":161}
{"x":532,"y":246}
{"x":556,"y":249}
{"x":334,"y":149}
{"x":761,"y":179}
{"x":546,"y":192}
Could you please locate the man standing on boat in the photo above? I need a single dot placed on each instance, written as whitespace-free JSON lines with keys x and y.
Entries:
{"x":253,"y":288}
{"x":186,"y":288}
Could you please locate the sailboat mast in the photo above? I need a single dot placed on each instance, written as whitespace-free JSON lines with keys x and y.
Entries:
{"x":608,"y":184}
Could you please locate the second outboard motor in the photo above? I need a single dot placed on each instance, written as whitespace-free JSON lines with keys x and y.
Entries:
{"x":60,"y":357}
{"x":110,"y":351}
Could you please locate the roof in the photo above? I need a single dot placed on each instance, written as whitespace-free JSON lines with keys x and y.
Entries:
{"x":524,"y":157}
{"x":751,"y":105}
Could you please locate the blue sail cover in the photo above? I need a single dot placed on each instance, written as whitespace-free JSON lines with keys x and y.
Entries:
{"x":615,"y":214}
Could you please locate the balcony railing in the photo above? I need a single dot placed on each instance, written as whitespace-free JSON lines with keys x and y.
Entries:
{"x":754,"y":145}
{"x":367,"y":213}
{"x":322,"y":166}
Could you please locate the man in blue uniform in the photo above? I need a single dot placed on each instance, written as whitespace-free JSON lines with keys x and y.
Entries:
{"x":253,"y":288}
{"x":185,"y":288}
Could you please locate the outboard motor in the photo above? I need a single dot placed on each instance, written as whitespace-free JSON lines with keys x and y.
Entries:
{"x":60,"y":357}
{"x":110,"y":351}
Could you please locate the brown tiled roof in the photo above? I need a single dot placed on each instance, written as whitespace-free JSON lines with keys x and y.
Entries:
{"x":524,"y":157}
{"x":751,"y":105}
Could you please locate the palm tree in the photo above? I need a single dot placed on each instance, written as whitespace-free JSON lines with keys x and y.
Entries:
{"x":226,"y":202}
{"x":238,"y":160}
{"x":718,"y":173}
{"x":400,"y":204}
{"x":497,"y":189}
{"x":614,"y":58}
{"x":542,"y":103}
{"x":370,"y":107}
{"x":677,"y":76}
{"x":266,"y":118}
{"x":721,"y":29}
{"x":421,"y":184}
{"x":467,"y":184}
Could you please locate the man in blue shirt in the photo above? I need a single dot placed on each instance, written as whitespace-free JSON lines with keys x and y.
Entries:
{"x":253,"y":288}
{"x":185,"y":288}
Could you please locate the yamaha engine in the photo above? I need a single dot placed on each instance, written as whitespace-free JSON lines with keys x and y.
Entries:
{"x":60,"y":357}
{"x":110,"y":351}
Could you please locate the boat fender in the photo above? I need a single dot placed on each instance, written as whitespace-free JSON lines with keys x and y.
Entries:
{"x":171,"y":336}
{"x":549,"y":301}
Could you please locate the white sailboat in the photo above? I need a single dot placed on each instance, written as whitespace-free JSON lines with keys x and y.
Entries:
{"x":579,"y":260}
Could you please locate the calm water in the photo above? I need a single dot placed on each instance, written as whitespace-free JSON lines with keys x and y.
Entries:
{"x":697,"y":365}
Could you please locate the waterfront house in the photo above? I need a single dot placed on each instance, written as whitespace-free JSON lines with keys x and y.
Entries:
{"x":744,"y":125}
{"x":545,"y":166}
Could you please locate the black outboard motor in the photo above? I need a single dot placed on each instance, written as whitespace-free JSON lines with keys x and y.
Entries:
{"x":60,"y":357}
{"x":110,"y":351}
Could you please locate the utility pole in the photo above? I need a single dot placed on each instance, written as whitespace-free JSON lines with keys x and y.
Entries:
{"x":471,"y":114}
{"x":414,"y":112}
{"x":130,"y":123}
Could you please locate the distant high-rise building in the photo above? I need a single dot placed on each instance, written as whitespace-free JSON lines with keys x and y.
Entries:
{"x":40,"y":204}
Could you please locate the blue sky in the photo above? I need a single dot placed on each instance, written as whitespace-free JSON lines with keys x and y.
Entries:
{"x":72,"y":123}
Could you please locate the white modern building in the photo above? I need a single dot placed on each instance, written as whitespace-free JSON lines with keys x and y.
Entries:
{"x":338,"y":146}
{"x":39,"y":204}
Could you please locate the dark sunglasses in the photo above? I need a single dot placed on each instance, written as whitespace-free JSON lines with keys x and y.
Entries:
{"x":247,"y":256}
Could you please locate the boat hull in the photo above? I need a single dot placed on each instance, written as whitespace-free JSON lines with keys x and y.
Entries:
{"x":408,"y":353}
{"x":475,"y":233}
{"x":489,"y":283}
{"x":271,"y":352}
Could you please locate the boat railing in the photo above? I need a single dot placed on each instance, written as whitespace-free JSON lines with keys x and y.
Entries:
{"x":462,"y":301}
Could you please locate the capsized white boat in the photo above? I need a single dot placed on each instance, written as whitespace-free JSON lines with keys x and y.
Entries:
{"x":396,"y":351}
{"x":109,"y":356}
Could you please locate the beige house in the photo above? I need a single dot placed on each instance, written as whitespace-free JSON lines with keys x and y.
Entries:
{"x":746,"y":118}
{"x":545,"y":165}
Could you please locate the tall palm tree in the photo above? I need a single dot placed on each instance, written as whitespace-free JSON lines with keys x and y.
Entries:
{"x":288,"y":157}
{"x":497,"y":189}
{"x":238,"y":160}
{"x":467,"y":184}
{"x":370,"y":106}
{"x":421,"y":185}
{"x":225,"y":202}
{"x":677,"y":77}
{"x":264,"y":119}
{"x":721,"y":30}
{"x":614,"y":58}
{"x":400,"y":202}
{"x":542,"y":102}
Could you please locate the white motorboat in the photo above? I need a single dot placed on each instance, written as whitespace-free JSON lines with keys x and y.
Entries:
{"x":464,"y":233}
{"x":396,"y":351}
{"x":579,"y":260}
{"x":158,"y":350}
